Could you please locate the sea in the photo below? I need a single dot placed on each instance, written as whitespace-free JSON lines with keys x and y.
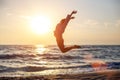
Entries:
{"x":35,"y":60}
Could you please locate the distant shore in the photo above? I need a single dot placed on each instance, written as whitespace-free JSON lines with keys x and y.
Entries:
{"x":103,"y":75}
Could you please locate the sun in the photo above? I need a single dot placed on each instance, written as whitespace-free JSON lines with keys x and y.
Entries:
{"x":40,"y":24}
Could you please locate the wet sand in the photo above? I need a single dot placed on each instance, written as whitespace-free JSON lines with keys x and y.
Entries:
{"x":99,"y":75}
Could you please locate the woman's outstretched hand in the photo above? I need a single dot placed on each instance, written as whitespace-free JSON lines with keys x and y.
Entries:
{"x":73,"y":12}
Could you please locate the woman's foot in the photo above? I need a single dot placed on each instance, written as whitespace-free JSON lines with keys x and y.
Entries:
{"x":77,"y":46}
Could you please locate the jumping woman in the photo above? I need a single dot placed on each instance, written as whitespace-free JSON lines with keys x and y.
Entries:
{"x":60,"y":28}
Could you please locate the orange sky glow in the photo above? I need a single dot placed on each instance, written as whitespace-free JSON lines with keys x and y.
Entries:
{"x":33,"y":21}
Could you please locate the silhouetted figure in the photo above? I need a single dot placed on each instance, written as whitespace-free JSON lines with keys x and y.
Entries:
{"x":60,"y":28}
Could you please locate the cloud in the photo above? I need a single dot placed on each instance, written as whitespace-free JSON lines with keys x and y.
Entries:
{"x":108,"y":24}
{"x":117,"y":23}
{"x":24,"y":17}
{"x":17,"y":15}
{"x":9,"y":14}
{"x":91,"y":22}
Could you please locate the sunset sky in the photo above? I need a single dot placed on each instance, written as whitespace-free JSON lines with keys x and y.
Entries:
{"x":97,"y":21}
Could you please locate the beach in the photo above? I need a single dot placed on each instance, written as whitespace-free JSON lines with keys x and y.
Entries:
{"x":104,"y":75}
{"x":30,"y":62}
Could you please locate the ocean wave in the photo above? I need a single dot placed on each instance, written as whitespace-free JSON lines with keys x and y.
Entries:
{"x":36,"y":68}
{"x":109,"y":65}
{"x":67,"y":57}
{"x":25,"y":59}
{"x":43,"y":56}
{"x":90,"y":49}
{"x":13,"y":56}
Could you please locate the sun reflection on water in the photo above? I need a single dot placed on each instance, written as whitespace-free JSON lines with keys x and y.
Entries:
{"x":40,"y":49}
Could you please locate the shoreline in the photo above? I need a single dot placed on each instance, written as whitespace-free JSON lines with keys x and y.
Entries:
{"x":99,"y":75}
